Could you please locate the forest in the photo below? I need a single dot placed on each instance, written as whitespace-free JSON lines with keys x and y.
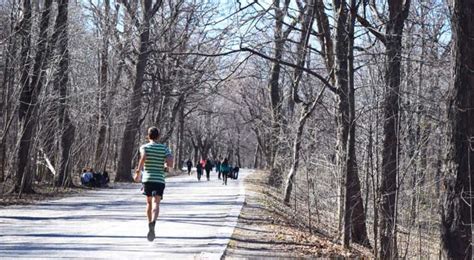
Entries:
{"x":362,"y":111}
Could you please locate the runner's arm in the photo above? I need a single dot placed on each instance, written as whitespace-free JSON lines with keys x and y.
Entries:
{"x":139,"y":169}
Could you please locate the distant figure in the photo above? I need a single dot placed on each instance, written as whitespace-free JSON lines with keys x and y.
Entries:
{"x":190,"y":166}
{"x":199,"y":170}
{"x":235,"y":172}
{"x":105,"y":178}
{"x":218,"y":168}
{"x":225,"y":169}
{"x":87,"y":178}
{"x":208,"y":167}
{"x":97,"y":180}
{"x":152,"y":162}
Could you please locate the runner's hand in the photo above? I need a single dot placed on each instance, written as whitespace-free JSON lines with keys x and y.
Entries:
{"x":136,"y":176}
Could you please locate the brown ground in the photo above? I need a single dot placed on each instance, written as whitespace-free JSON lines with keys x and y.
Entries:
{"x":42,"y":192}
{"x":264,"y":231}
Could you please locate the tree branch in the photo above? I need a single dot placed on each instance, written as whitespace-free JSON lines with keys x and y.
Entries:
{"x":364,"y":22}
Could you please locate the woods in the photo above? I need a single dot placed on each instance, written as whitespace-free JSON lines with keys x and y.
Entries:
{"x":362,"y":111}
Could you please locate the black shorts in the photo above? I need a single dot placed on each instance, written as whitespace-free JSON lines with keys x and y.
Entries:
{"x":153,"y":189}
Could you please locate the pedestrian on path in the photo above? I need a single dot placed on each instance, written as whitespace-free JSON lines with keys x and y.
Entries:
{"x":152,"y":165}
{"x":225,"y":169}
{"x":189,"y":164}
{"x":208,"y":168}
{"x":199,"y":170}
{"x":218,"y":168}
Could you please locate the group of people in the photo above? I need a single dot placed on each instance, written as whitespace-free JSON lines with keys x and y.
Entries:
{"x":222,"y":167}
{"x":90,"y":178}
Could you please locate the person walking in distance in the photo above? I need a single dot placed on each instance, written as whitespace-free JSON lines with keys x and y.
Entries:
{"x":190,"y":165}
{"x":208,"y":168}
{"x":225,"y":169}
{"x":218,"y":168}
{"x":199,"y":170}
{"x":153,"y":157}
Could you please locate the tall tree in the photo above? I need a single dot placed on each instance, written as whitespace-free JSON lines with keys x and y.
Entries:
{"x":132,"y":125}
{"x":103,"y":88}
{"x":398,"y":12}
{"x":392,"y":39}
{"x":339,"y":60}
{"x":456,"y":216}
{"x":280,"y":37}
{"x":30,"y":90}
{"x":61,"y":81}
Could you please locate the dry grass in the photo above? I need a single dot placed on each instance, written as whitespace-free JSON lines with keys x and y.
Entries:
{"x":266,"y":228}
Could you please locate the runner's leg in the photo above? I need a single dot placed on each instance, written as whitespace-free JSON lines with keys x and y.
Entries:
{"x":149,"y":208}
{"x":156,"y":207}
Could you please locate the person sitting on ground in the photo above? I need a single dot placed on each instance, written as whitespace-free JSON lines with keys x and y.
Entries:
{"x":97,"y":178}
{"x":105,"y":179}
{"x":87,"y":178}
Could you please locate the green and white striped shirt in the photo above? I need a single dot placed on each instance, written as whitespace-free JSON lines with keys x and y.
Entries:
{"x":154,"y":169}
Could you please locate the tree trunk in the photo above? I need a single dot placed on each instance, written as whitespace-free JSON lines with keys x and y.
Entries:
{"x":456,"y":212}
{"x":29,"y":93}
{"x":357,"y":215}
{"x":133,"y":125}
{"x":103,"y":83}
{"x":398,"y":12}
{"x":274,"y":85}
{"x":342,"y":115}
{"x":6,"y":89}
{"x":296,"y":154}
{"x":181,"y":137}
{"x":61,"y":81}
{"x":256,"y":155}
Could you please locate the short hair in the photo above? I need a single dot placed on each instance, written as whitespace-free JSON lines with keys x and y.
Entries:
{"x":153,"y":133}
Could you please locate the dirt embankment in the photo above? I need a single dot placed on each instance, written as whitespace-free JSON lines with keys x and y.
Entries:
{"x":265,"y":231}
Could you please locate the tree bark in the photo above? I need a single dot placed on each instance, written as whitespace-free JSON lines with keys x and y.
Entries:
{"x":61,"y":81}
{"x":357,"y":214}
{"x":456,"y":212}
{"x":103,"y":88}
{"x":398,"y":12}
{"x":274,"y":85}
{"x":133,"y":125}
{"x":29,"y":93}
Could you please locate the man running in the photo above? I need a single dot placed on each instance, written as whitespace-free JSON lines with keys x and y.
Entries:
{"x":152,"y":162}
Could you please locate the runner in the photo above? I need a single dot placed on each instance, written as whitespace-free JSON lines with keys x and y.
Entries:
{"x":152,"y":162}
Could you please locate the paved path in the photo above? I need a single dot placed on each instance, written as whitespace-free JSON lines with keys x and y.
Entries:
{"x":196,"y":222}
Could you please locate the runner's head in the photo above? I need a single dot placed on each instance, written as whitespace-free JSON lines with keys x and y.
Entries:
{"x":153,"y":133}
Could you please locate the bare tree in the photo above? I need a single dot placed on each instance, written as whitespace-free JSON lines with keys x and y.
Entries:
{"x":131,"y":128}
{"x":456,"y":216}
{"x":63,"y":178}
{"x":29,"y":94}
